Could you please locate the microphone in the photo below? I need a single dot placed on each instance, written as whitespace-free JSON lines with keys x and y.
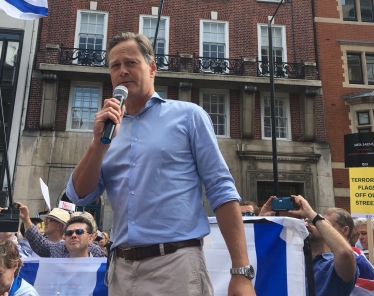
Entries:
{"x":120,"y":93}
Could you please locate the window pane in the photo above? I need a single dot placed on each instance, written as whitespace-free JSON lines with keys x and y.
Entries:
{"x":370,"y":68}
{"x":214,"y":105}
{"x":363,"y":118}
{"x":364,"y":130}
{"x":366,"y":10}
{"x":85,"y":105}
{"x":281,"y":120}
{"x":354,"y":68}
{"x":349,"y":10}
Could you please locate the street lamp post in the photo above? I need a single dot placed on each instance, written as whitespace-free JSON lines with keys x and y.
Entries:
{"x":272,"y":103}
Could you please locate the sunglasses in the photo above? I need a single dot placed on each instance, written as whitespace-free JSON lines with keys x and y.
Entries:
{"x":78,"y":231}
{"x":248,"y":214}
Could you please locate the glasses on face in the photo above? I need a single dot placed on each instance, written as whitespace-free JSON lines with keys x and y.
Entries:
{"x":248,"y":214}
{"x":48,"y":220}
{"x":78,"y":231}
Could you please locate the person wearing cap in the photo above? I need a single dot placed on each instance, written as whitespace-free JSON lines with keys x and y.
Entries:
{"x":54,"y":223}
{"x":44,"y":247}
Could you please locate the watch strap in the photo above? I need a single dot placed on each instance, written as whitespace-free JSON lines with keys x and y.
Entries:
{"x":317,"y":218}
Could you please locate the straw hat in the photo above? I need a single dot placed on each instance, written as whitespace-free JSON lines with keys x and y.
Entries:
{"x":58,"y":215}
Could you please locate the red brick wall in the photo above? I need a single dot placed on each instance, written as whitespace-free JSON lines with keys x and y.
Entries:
{"x":343,"y":202}
{"x":185,"y":17}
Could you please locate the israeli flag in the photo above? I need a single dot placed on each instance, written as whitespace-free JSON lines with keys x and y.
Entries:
{"x":25,"y":9}
{"x":275,"y":250}
{"x":66,"y":276}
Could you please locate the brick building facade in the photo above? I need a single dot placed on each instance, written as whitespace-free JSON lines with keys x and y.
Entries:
{"x":211,"y":53}
{"x":345,"y":39}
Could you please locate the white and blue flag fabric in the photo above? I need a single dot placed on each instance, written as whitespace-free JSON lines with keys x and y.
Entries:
{"x":66,"y":276}
{"x":275,"y":249}
{"x":25,"y":9}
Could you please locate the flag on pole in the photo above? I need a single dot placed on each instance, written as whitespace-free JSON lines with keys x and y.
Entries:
{"x":25,"y":9}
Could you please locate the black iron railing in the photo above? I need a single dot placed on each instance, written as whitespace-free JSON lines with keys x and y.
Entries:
{"x":282,"y":70}
{"x":81,"y":56}
{"x":168,"y":62}
{"x":218,"y":65}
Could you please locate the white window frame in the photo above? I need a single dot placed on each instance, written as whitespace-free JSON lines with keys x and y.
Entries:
{"x":286,"y":97}
{"x":163,"y":89}
{"x":167,"y":26}
{"x":201,"y":38}
{"x":226,"y":93}
{"x":78,"y":24}
{"x":73,"y":85}
{"x":284,"y":40}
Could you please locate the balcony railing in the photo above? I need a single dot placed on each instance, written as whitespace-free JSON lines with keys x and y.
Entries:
{"x":168,"y":62}
{"x":191,"y":63}
{"x":282,"y":70}
{"x":218,"y":65}
{"x":83,"y":57}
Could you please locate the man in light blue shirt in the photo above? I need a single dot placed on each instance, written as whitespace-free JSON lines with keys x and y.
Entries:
{"x":153,"y":172}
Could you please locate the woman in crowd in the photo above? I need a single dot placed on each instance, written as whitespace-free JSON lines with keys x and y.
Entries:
{"x":103,"y":241}
{"x":10,"y":262}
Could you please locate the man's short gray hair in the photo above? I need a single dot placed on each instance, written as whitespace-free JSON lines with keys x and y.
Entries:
{"x":342,"y":218}
{"x":144,"y":43}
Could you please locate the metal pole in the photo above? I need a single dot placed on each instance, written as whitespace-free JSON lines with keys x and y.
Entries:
{"x":272,"y":105}
{"x":157,"y":25}
{"x":272,"y":109}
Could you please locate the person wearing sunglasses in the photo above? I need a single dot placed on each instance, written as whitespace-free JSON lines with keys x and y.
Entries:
{"x":46,"y":248}
{"x":78,"y":234}
{"x":249,"y":209}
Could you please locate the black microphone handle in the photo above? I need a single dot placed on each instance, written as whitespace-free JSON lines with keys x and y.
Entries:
{"x":109,"y":127}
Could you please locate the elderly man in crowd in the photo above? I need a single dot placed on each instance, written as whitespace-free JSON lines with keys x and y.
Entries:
{"x":54,"y":223}
{"x":46,"y":248}
{"x":342,"y":221}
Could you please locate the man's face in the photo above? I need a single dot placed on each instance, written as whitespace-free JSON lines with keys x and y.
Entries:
{"x":6,"y":278}
{"x":128,"y":67}
{"x":77,"y":243}
{"x":247,"y":209}
{"x":363,"y":237}
{"x":6,"y":236}
{"x":51,"y":226}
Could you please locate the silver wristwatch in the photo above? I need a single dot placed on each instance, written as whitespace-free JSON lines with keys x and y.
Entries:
{"x":248,"y":271}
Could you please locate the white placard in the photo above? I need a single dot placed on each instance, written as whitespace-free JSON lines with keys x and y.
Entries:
{"x":45,"y":193}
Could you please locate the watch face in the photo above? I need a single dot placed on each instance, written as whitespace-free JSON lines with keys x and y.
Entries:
{"x":250,"y":272}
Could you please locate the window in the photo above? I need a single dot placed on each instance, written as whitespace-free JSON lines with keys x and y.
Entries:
{"x":216,"y":104}
{"x":85,"y":101}
{"x":279,"y":49}
{"x":364,"y":120}
{"x":90,"y":37}
{"x":282,"y":117}
{"x":358,"y":10}
{"x":214,"y":45}
{"x":357,"y":72}
{"x":147,"y":26}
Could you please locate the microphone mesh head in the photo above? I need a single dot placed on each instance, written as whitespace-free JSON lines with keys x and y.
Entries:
{"x":120,"y":90}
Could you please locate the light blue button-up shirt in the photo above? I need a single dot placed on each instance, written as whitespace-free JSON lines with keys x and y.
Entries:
{"x":153,"y":174}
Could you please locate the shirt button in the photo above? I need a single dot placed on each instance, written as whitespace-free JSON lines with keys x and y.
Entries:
{"x":132,"y":192}
{"x":133,"y":164}
{"x":135,"y":139}
{"x":132,"y":223}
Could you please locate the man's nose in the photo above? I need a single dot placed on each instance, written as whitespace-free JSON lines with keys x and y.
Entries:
{"x":124,"y":70}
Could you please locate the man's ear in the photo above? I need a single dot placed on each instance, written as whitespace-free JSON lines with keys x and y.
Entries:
{"x":153,"y":69}
{"x":90,"y":238}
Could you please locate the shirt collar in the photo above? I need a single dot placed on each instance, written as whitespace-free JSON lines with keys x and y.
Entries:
{"x":155,"y":98}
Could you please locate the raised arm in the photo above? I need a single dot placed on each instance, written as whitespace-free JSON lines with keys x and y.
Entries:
{"x":232,"y":228}
{"x":344,"y":261}
{"x":86,"y":175}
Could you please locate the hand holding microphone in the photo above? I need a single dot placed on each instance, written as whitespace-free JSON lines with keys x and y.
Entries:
{"x":120,"y":93}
